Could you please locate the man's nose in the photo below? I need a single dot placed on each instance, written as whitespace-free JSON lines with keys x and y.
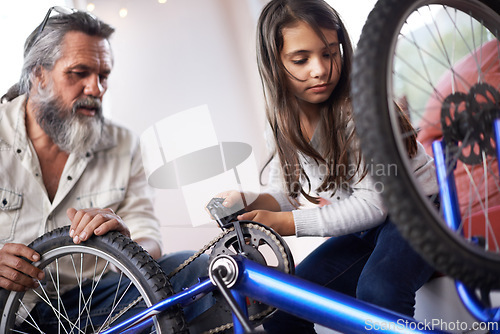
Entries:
{"x":93,"y":86}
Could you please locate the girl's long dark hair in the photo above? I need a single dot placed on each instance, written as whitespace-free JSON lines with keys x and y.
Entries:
{"x":282,"y":109}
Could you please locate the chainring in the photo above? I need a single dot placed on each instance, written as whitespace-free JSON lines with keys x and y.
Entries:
{"x":266,"y":247}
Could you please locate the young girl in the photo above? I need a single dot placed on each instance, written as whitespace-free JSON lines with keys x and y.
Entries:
{"x":304,"y":58}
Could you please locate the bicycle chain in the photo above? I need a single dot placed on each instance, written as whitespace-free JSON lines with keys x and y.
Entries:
{"x":257,"y":316}
{"x":198,"y":253}
{"x":169,"y":276}
{"x":188,"y":261}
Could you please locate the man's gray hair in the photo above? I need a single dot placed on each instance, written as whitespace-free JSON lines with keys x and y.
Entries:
{"x":44,"y":49}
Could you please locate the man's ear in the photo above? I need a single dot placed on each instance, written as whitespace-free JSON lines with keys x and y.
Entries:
{"x":39,"y":77}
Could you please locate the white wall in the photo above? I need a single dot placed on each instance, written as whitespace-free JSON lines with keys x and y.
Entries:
{"x":17,"y":20}
{"x":175,"y":56}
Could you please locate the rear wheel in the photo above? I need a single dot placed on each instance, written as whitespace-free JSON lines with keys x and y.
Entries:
{"x":440,"y":61}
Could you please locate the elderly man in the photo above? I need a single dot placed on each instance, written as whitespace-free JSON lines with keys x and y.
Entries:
{"x":66,"y":163}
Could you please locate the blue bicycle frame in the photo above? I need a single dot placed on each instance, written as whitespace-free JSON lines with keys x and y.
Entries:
{"x":452,"y":216}
{"x":290,"y":294}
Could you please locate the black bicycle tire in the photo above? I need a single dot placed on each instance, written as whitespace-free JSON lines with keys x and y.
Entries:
{"x":132,"y":256}
{"x":415,"y":219}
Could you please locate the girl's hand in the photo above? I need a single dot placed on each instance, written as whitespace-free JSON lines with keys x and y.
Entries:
{"x":281,"y":222}
{"x":231,"y":198}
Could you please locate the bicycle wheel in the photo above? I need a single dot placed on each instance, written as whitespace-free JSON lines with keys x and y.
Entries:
{"x":65,"y":300}
{"x":440,"y":61}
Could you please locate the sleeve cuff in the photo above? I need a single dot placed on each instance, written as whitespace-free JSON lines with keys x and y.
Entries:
{"x":307,"y":223}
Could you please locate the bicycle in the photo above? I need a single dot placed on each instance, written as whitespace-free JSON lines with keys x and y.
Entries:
{"x":238,"y":268}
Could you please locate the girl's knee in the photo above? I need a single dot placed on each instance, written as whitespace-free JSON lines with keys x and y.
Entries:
{"x":386,"y":294}
{"x":373,"y":290}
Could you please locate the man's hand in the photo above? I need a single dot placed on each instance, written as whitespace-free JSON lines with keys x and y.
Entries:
{"x":16,"y":274}
{"x":96,"y":221}
{"x":281,"y":222}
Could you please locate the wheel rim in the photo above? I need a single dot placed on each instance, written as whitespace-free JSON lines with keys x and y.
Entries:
{"x":78,"y":255}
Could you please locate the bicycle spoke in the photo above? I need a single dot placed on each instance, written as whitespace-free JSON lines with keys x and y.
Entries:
{"x":32,"y":323}
{"x":86,"y":306}
{"x":60,"y":303}
{"x":81,"y":292}
{"x":94,"y":284}
{"x":106,"y":324}
{"x":56,"y":312}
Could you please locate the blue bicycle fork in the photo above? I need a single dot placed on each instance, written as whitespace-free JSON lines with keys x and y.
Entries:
{"x":451,"y":212}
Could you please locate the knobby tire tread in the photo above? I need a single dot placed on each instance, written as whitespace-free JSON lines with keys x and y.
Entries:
{"x":445,"y":251}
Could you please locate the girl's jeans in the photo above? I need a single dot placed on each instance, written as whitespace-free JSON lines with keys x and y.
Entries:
{"x":377,"y":266}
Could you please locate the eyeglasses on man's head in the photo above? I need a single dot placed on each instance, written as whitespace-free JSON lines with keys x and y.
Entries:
{"x":60,"y":10}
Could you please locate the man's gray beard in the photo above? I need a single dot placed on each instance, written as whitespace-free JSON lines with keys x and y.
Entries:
{"x":71,"y":132}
